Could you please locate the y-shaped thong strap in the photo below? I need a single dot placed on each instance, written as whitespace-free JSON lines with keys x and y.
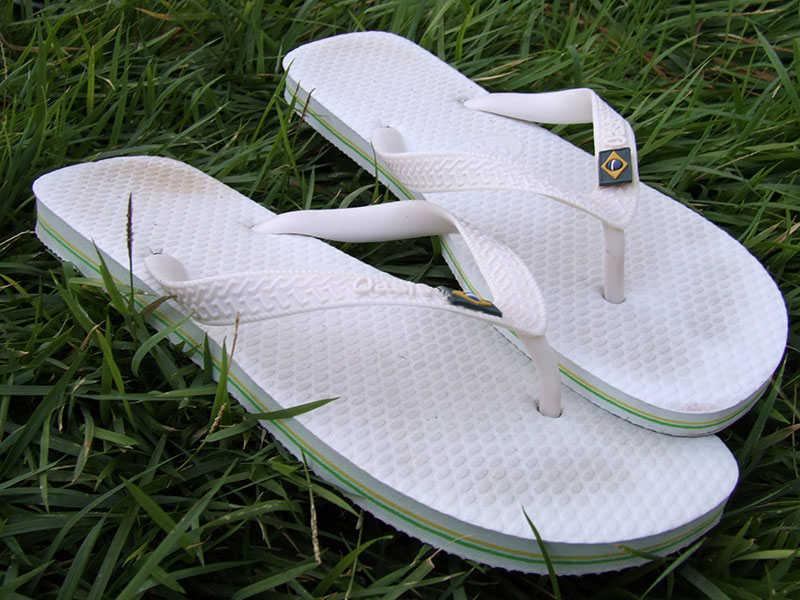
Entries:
{"x":613,"y":201}
{"x":516,"y":302}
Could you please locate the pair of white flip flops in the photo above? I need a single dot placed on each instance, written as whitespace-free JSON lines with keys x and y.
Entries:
{"x":435,"y":427}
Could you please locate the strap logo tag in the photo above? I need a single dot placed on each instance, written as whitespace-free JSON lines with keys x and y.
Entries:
{"x":615,"y":167}
{"x":472,"y":301}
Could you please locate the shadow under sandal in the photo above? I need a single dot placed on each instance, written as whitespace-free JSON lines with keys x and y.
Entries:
{"x":434,"y":428}
{"x":655,"y":314}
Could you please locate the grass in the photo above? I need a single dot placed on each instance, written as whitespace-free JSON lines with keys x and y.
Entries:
{"x":120,"y":479}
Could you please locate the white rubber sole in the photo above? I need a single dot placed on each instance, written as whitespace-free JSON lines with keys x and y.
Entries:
{"x":434,"y":429}
{"x":703,"y":326}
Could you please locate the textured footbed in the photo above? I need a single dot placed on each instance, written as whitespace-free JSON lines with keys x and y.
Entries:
{"x":434,"y":429}
{"x":703,"y":325}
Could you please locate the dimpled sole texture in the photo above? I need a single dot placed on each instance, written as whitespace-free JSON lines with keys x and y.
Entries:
{"x":434,"y":428}
{"x":703,"y":325}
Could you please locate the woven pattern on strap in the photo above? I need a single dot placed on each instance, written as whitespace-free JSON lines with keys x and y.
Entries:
{"x":511,"y":285}
{"x":260,"y":295}
{"x":458,"y":171}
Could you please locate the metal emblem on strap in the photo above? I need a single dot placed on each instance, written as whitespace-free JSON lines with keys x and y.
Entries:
{"x":472,"y":301}
{"x":615,"y":166}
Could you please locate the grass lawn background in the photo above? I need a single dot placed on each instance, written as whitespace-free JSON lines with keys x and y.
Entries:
{"x":117,"y":480}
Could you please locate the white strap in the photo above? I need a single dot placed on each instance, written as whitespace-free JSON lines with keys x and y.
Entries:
{"x":461,"y":171}
{"x":612,"y":133}
{"x":615,"y":155}
{"x":449,"y":171}
{"x":259,"y":295}
{"x":511,"y":285}
{"x":256,"y":296}
{"x":613,"y":205}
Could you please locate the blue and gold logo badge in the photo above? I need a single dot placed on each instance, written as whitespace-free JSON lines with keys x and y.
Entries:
{"x":615,"y":167}
{"x":472,"y":301}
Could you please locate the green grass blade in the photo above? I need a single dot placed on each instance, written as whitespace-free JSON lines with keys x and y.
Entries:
{"x":167,"y":545}
{"x":551,"y":573}
{"x":79,"y":564}
{"x":12,"y":448}
{"x":287,"y":413}
{"x":111,"y":288}
{"x":157,"y":514}
{"x":674,"y":565}
{"x":270,"y":583}
{"x":789,"y":86}
{"x":151,"y":342}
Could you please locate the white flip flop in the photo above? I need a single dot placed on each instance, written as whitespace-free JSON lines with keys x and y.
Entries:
{"x":434,"y":428}
{"x":702,"y":326}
